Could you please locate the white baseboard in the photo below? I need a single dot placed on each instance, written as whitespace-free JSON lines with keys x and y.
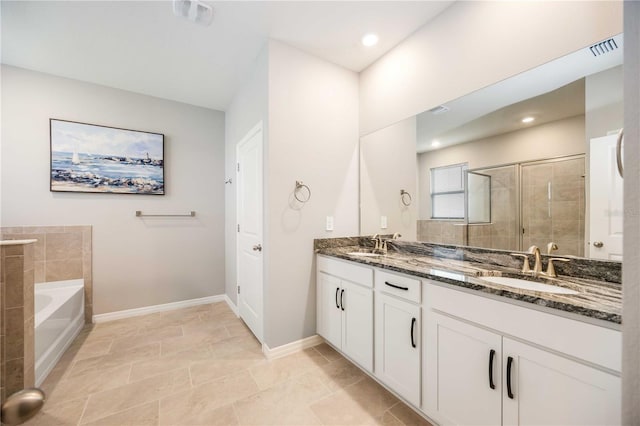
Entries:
{"x":128,"y":313}
{"x":292,"y":347}
{"x":232,"y":305}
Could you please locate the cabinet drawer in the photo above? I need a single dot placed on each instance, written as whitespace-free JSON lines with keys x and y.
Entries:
{"x":346,"y":270}
{"x":399,"y":285}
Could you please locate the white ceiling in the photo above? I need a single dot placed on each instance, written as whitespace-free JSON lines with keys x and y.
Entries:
{"x":143,"y":47}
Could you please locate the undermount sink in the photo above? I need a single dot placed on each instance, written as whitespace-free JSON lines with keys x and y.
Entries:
{"x":528,"y":285}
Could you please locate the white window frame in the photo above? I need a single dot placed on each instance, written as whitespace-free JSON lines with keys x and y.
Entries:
{"x":463,"y":168}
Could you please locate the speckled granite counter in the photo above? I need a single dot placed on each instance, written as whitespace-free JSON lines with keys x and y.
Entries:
{"x":597,"y":282}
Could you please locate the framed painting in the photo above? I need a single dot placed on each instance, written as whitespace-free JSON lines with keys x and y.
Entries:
{"x":92,"y":158}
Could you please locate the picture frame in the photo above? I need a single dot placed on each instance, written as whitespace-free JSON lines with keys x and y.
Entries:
{"x":102,"y":159}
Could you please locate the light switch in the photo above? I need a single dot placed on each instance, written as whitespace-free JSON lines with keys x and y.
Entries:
{"x":329,"y":226}
{"x":383,"y":222}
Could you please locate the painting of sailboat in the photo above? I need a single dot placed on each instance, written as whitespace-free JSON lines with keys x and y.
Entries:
{"x":92,"y":158}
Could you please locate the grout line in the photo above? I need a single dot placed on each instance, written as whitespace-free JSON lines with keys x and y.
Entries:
{"x":191,"y":385}
{"x":84,"y":409}
{"x":127,"y":409}
{"x":235,"y":410}
{"x":320,"y":353}
{"x":393,"y":415}
{"x":130,"y":371}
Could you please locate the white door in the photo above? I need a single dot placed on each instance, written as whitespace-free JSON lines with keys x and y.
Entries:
{"x":357,"y":324}
{"x":463,"y":373}
{"x":547,"y":389}
{"x":249,"y":241}
{"x":605,"y":204}
{"x":397,"y":342}
{"x":329,"y":310}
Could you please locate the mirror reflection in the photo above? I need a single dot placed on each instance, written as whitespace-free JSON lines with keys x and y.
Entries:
{"x":529,"y":160}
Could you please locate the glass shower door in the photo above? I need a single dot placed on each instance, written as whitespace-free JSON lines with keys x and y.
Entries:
{"x":553,"y":205}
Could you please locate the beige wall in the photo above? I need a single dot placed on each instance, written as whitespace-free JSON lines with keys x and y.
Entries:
{"x":313,"y":137}
{"x":452,"y":55}
{"x":555,"y":139}
{"x":387,"y":165}
{"x":137,"y":262}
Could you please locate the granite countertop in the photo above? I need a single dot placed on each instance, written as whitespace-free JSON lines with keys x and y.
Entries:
{"x":597,"y":299}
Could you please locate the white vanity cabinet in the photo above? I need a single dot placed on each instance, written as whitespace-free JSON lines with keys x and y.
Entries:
{"x":345,"y":308}
{"x":547,"y":389}
{"x":464,"y":375}
{"x":479,"y":369}
{"x":397,"y":334}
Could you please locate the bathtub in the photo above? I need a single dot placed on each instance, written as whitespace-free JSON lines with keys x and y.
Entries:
{"x":59,"y":317}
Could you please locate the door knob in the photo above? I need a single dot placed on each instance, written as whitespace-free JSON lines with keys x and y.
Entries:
{"x":257,"y":247}
{"x":598,"y":244}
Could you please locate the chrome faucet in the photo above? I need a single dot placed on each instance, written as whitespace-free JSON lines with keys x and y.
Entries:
{"x":396,"y":236}
{"x":551,"y":247}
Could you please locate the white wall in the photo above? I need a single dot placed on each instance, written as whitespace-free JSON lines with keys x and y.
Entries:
{"x":555,"y":139}
{"x":604,"y":104}
{"x":472,"y":45}
{"x":249,"y":106}
{"x":313,"y":137}
{"x":387,"y":165}
{"x":136,"y":262}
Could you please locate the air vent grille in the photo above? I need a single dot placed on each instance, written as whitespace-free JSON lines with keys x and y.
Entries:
{"x":603,"y":47}
{"x":439,"y":109}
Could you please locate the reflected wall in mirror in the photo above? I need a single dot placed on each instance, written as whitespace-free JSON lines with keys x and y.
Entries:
{"x":481,"y":175}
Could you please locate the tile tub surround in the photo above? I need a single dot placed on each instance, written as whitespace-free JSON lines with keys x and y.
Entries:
{"x":17,"y":312}
{"x":61,"y":253}
{"x":600,"y":295}
{"x":202,"y":366}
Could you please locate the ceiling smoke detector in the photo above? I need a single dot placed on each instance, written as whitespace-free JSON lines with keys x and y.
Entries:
{"x":194,"y":10}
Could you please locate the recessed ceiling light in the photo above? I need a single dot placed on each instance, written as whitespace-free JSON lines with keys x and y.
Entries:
{"x":370,"y":40}
{"x":528,"y":119}
{"x":435,"y":143}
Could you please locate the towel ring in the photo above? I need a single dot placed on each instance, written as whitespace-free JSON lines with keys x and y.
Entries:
{"x":405,"y":197}
{"x":299,"y":187}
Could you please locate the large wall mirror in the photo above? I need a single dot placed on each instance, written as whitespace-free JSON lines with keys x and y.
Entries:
{"x":531,"y":160}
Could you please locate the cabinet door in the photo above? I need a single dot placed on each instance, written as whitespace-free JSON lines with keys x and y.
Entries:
{"x":463,"y":374}
{"x":329,"y":315}
{"x":397,"y":355}
{"x":357,"y":324}
{"x":548,"y":389}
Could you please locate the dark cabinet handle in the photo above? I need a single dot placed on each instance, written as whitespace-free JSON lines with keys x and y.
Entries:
{"x":492,"y":355}
{"x":337,"y":290}
{"x":413,"y":324}
{"x":342,"y":299}
{"x":509,"y":364}
{"x":396,"y":286}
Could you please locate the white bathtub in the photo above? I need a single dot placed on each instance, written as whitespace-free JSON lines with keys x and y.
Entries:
{"x":59,"y":317}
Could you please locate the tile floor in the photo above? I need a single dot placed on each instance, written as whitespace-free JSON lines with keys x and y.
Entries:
{"x":202,"y":366}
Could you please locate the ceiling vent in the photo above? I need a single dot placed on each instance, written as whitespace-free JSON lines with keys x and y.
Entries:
{"x":603,"y":47}
{"x":194,"y":10}
{"x":440,"y":109}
